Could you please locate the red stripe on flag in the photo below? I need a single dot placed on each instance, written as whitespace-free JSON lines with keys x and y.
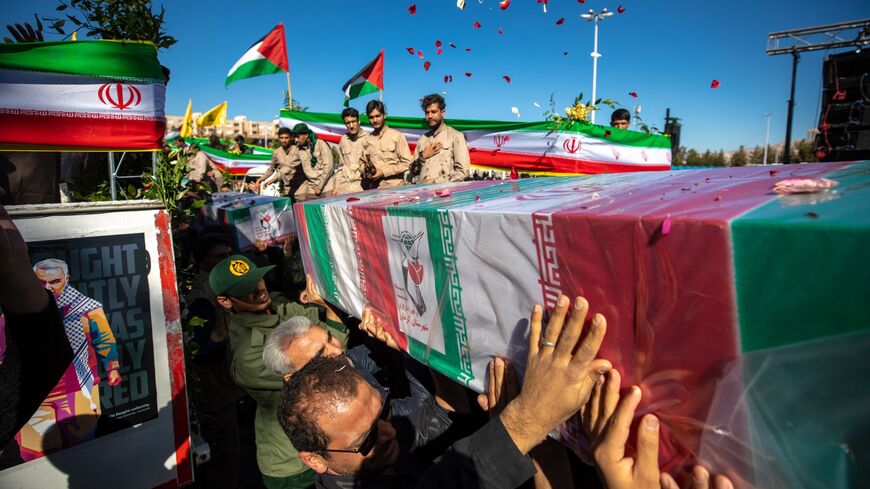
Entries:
{"x":82,"y":132}
{"x":374,"y":263}
{"x":553,"y":164}
{"x":274,"y":48}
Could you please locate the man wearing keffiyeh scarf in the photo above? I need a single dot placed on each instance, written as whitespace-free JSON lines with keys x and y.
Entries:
{"x":74,"y":404}
{"x":315,"y":161}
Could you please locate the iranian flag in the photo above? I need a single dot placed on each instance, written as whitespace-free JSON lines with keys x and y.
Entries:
{"x":267,"y":56}
{"x":543,"y":147}
{"x":81,"y":96}
{"x":370,"y":79}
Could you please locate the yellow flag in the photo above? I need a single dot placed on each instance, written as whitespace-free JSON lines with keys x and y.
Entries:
{"x":215,"y":116}
{"x":187,"y":125}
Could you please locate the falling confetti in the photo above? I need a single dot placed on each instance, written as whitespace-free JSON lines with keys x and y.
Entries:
{"x":504,"y":4}
{"x":714,"y":84}
{"x":620,"y":9}
{"x":515,"y":111}
{"x":468,"y":74}
{"x":565,"y":53}
{"x":500,"y":31}
{"x":581,"y":1}
{"x":507,"y":78}
{"x":410,"y":51}
{"x":560,"y":21}
{"x":443,"y":192}
{"x":607,"y":133}
{"x":514,"y":174}
{"x":544,"y":2}
{"x":477,"y":197}
{"x":438,"y":51}
{"x":412,"y":9}
{"x":460,"y":4}
{"x":633,"y":94}
{"x":467,"y":50}
{"x":451,"y":45}
{"x":477,"y":25}
{"x":426,"y":65}
{"x":437,"y":44}
{"x":448,"y":78}
{"x":536,"y":104}
{"x":420,"y":54}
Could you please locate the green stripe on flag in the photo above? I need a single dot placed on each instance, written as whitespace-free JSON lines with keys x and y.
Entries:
{"x":321,"y":254}
{"x":801,"y":264}
{"x":130,"y":60}
{"x":360,"y":89}
{"x":617,"y":136}
{"x":253,"y":68}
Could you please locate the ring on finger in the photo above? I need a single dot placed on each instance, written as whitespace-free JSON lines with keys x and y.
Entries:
{"x":548,"y":343}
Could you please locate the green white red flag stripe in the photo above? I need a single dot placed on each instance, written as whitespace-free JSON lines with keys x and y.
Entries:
{"x":265,"y":57}
{"x":534,"y":147}
{"x":236,"y":164}
{"x":81,"y":96}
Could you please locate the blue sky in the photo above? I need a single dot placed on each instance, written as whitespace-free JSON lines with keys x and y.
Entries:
{"x":666,"y":51}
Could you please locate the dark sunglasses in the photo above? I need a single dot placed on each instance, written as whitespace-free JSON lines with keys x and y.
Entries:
{"x":371,"y":438}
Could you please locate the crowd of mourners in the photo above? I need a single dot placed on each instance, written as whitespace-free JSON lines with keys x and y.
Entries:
{"x":288,"y":391}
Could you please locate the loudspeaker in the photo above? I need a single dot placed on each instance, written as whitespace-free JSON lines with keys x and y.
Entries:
{"x":844,"y":120}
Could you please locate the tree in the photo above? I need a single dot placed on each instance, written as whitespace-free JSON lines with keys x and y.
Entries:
{"x":720,"y":159}
{"x":806,"y":151}
{"x":756,"y":156}
{"x":707,"y":158}
{"x":693,"y":157}
{"x":297,"y":107}
{"x":679,"y":156}
{"x":133,"y":20}
{"x":739,"y":158}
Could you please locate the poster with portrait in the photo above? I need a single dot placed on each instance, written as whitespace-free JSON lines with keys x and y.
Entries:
{"x":121,"y":401}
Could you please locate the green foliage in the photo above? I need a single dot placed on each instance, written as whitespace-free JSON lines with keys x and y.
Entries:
{"x":296,"y":105}
{"x":806,"y":151}
{"x":739,"y":158}
{"x":134,"y":20}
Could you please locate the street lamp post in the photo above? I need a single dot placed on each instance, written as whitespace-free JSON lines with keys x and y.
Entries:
{"x":594,"y":17}
{"x":767,"y":134}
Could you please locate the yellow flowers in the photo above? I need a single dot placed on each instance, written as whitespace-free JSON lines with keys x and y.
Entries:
{"x":579,"y":112}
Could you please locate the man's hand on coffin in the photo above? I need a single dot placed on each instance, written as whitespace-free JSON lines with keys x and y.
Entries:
{"x":20,"y":291}
{"x":502,"y":387}
{"x":619,"y":471}
{"x":311,"y":296}
{"x":372,"y":325}
{"x":561,"y":372}
{"x":595,"y":414}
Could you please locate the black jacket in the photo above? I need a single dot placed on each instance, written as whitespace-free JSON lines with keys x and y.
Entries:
{"x":487,"y":459}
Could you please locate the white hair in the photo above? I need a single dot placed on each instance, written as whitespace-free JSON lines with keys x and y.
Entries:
{"x":51,"y":264}
{"x":275,"y":349}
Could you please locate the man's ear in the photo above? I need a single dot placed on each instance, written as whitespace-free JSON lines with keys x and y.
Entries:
{"x":316,"y":462}
{"x":287,"y":377}
{"x":225,"y":302}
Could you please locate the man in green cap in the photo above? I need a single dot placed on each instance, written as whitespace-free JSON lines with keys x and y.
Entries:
{"x":315,"y":161}
{"x":254,"y":313}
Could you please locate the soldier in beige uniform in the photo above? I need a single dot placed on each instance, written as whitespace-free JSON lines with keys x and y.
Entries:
{"x":348,"y":177}
{"x":314,"y":161}
{"x":202,"y":170}
{"x":442,"y":153}
{"x":284,"y":159}
{"x":386,"y":150}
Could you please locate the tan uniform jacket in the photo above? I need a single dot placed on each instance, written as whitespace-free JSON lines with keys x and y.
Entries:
{"x":389,"y":153}
{"x":316,"y":174}
{"x":348,"y":177}
{"x":283,"y":163}
{"x":451,"y":163}
{"x":199,"y":165}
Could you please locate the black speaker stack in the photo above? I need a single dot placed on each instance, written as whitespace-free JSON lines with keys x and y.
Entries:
{"x":844,"y":121}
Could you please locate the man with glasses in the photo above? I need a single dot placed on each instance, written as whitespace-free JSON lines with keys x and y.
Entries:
{"x":254,"y":313}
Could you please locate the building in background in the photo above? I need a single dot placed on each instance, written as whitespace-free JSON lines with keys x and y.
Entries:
{"x":253,"y":130}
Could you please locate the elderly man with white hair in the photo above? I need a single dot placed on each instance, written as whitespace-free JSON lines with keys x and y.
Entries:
{"x":297,"y":341}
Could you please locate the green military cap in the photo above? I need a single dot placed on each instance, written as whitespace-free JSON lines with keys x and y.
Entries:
{"x":236,"y":276}
{"x":300,"y":128}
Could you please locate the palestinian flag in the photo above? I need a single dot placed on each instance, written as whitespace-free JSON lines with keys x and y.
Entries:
{"x":265,"y":57}
{"x":370,"y":79}
{"x":81,"y":96}
{"x":741,"y":313}
{"x":543,"y":147}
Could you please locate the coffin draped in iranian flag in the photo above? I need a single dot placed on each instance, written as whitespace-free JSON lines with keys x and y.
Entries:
{"x":566,"y":148}
{"x":742,"y":314}
{"x":81,"y":96}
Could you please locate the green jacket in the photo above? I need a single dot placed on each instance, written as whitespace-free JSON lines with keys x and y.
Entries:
{"x":275,"y":455}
